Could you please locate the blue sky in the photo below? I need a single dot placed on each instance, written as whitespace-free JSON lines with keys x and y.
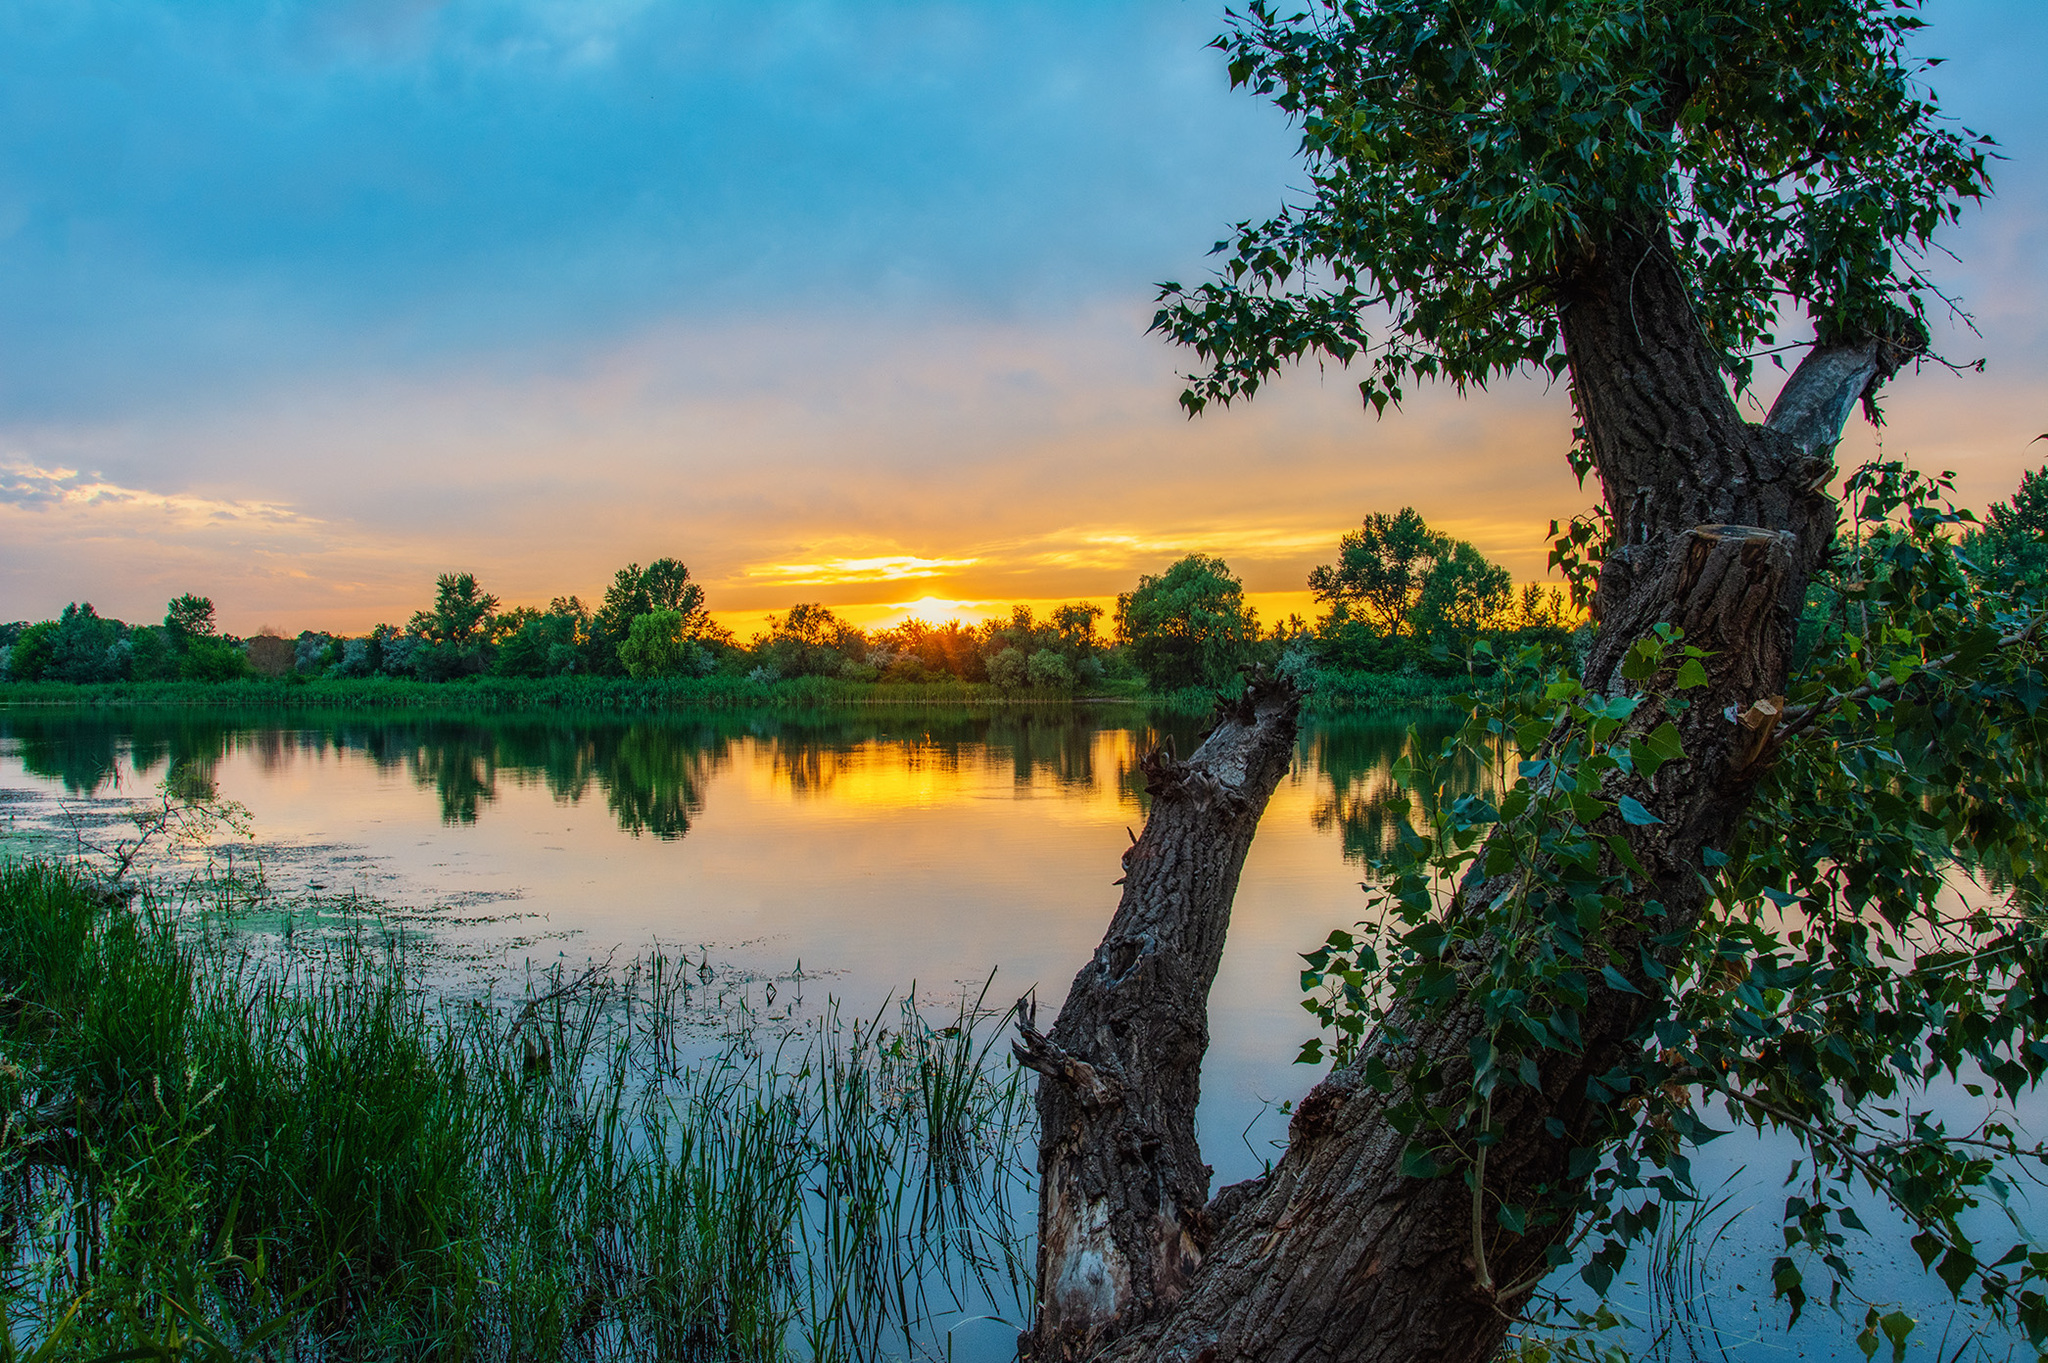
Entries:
{"x":303,"y":303}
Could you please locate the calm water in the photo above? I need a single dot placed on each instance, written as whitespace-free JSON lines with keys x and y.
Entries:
{"x":878,"y":852}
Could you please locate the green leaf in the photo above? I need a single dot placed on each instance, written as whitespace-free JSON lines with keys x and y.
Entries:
{"x":1616,"y":980}
{"x":1691,"y":674}
{"x":1898,"y":1328}
{"x":1650,"y":752}
{"x":1416,"y":1162}
{"x":1632,"y":811}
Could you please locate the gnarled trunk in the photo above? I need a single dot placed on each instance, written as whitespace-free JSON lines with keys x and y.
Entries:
{"x":1123,"y":1220}
{"x":1719,"y":525}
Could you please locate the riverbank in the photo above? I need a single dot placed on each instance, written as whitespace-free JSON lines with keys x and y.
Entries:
{"x":224,"y":1144}
{"x":1330,"y":692}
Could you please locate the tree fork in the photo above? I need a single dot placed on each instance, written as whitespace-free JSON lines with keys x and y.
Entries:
{"x":1337,"y":1255}
{"x":1123,"y":1218}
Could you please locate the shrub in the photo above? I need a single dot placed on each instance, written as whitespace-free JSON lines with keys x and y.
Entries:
{"x":1008,"y":670}
{"x":1048,"y":671}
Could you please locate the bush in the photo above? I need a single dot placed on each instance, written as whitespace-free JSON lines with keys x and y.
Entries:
{"x":1008,"y":670}
{"x":1048,"y":671}
{"x":209,"y":659}
{"x":447,"y":662}
{"x":655,"y":646}
{"x":355,"y":660}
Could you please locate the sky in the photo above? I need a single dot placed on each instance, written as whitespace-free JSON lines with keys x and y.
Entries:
{"x":835,"y":300}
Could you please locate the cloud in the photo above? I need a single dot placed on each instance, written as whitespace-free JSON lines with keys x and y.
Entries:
{"x":33,"y":487}
{"x":839,"y":571}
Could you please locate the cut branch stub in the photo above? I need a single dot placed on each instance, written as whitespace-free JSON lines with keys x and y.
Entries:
{"x":1122,"y":1187}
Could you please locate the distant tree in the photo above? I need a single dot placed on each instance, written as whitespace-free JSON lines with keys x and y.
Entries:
{"x":210,"y":658}
{"x":29,"y":659}
{"x":2015,"y":534}
{"x":86,"y":648}
{"x":1075,"y":623}
{"x":1543,"y":608}
{"x":270,"y":654}
{"x":544,"y":645}
{"x":464,"y":614}
{"x":355,"y":659}
{"x":635,"y":591}
{"x":658,"y":645}
{"x":624,"y":601}
{"x":508,"y":621}
{"x":190,"y":617}
{"x":667,"y":584}
{"x":810,"y":641}
{"x":314,"y":653}
{"x":1464,"y":593}
{"x":2027,"y":511}
{"x":918,"y":648}
{"x":1009,"y":670}
{"x":153,"y":656}
{"x":1190,"y":625}
{"x":1381,"y":568}
{"x":394,"y":652}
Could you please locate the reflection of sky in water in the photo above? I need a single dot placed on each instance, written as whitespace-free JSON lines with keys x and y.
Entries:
{"x":880,"y":851}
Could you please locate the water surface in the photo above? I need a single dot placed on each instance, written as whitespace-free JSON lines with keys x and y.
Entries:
{"x":877,"y":852}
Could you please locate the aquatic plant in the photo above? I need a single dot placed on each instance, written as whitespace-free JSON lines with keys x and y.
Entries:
{"x":216,"y":1147}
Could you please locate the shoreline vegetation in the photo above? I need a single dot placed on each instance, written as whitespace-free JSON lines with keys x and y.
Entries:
{"x":228,"y":1143}
{"x":1328,"y":692}
{"x":1405,"y":605}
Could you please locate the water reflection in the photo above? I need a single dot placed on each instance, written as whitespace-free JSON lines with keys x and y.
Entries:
{"x":652,"y":771}
{"x":1354,"y":759}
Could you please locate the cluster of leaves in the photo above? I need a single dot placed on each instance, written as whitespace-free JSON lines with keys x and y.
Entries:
{"x":1873,"y":940}
{"x":1463,"y":154}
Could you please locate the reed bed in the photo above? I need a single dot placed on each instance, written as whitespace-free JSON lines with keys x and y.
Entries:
{"x":213,"y":1151}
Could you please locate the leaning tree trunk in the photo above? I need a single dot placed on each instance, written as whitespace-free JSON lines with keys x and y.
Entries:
{"x":1719,"y":525}
{"x":1123,"y":1217}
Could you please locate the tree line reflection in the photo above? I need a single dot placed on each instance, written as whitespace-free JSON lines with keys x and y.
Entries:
{"x":654,"y":771}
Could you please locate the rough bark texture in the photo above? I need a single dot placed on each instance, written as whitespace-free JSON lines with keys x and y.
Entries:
{"x":1719,"y":524}
{"x":1123,"y":1192}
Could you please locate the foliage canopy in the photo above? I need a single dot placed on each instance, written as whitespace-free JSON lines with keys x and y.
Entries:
{"x":1462,"y":153}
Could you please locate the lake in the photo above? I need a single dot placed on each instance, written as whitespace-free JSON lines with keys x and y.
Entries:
{"x":879,"y":852}
{"x":856,"y":854}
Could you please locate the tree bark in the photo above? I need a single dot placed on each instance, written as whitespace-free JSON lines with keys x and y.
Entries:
{"x":1719,"y":525}
{"x":1123,"y":1220}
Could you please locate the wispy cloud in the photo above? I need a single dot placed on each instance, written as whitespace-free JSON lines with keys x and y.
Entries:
{"x":34,"y":487}
{"x":835,"y":571}
{"x":1121,"y":547}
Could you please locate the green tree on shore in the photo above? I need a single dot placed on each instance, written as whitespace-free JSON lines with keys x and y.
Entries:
{"x":1380,"y":569}
{"x":1189,"y":626}
{"x":463,"y":615}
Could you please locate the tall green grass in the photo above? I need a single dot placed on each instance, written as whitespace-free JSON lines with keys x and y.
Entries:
{"x":213,"y":1151}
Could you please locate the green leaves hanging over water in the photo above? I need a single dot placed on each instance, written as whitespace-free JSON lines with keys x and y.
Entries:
{"x":1871,"y":964}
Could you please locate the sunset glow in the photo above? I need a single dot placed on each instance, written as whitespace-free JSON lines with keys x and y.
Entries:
{"x":836,"y":303}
